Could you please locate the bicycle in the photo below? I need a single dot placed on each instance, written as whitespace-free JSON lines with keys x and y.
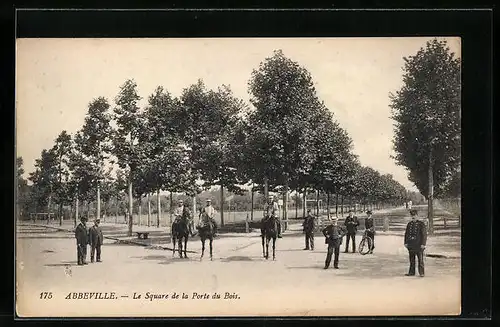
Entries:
{"x":366,"y":243}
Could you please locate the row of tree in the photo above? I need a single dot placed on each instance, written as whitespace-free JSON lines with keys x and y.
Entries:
{"x":288,"y":141}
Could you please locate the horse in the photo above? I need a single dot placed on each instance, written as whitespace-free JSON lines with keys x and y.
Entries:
{"x":207,"y":231}
{"x":180,"y":232}
{"x":269,"y":229}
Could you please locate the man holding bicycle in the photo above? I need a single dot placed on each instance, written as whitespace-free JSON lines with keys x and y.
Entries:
{"x":370,"y":229}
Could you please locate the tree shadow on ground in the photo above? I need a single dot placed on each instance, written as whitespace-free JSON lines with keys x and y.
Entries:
{"x":63,"y":264}
{"x":239,"y":258}
{"x":294,"y":250}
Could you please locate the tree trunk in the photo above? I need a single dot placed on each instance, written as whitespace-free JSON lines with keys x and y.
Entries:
{"x":171,"y":207}
{"x":158,"y":204}
{"x":130,"y":208}
{"x":149,"y":210}
{"x":77,"y":205}
{"x":297,"y":205}
{"x":116,"y":209}
{"x":328,"y":205}
{"x":194,"y":206}
{"x":342,"y":205}
{"x":336,"y":204}
{"x":304,"y":205}
{"x":430,"y":198}
{"x":60,"y":214}
{"x":221,"y":205}
{"x":285,"y":206}
{"x":266,"y":188}
{"x":139,"y":207}
{"x":317,"y":203}
{"x":251,"y":206}
{"x":98,"y":210}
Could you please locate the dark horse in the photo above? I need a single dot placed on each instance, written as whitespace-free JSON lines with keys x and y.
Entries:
{"x":180,"y":232}
{"x":207,"y":231}
{"x":269,"y":229}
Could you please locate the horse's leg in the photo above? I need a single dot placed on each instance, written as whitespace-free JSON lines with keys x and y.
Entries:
{"x":202,"y":247}
{"x":185,"y":247}
{"x":263,"y":250}
{"x":211,"y":241}
{"x":180,"y":247}
{"x":267,"y":247}
{"x":173,"y":251}
{"x":274,"y":246}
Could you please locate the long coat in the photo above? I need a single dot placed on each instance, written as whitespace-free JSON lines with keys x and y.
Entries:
{"x":81,"y":234}
{"x":96,"y":237}
{"x":352,"y":224}
{"x":415,"y":235}
{"x":333,"y":234}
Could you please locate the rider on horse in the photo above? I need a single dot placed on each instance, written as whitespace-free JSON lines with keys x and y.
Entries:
{"x":207,"y":217}
{"x":271,"y":211}
{"x":182,"y":213}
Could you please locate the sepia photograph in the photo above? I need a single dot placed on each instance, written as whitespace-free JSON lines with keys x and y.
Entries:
{"x":233,"y":177}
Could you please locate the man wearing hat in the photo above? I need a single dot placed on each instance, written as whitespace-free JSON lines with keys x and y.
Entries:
{"x":96,"y":240}
{"x":415,"y":239}
{"x":333,"y":237}
{"x":308,"y":226}
{"x":351,"y":223}
{"x":271,"y":209}
{"x":82,"y":239}
{"x":182,"y":212}
{"x":207,"y":216}
{"x":370,"y":228}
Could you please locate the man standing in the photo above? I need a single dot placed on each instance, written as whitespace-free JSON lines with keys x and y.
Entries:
{"x":333,"y":237}
{"x":82,"y":239}
{"x":96,"y":240}
{"x":415,"y":239}
{"x":308,"y":226}
{"x":351,"y":223}
{"x":271,"y":210}
{"x":370,"y":228}
{"x":183,"y":213}
{"x":207,"y":216}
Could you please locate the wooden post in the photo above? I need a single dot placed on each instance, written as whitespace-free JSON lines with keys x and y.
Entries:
{"x":246,"y":225}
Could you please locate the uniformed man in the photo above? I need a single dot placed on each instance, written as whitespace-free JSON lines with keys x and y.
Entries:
{"x":415,"y":239}
{"x":351,"y":223}
{"x":271,"y":209}
{"x":82,"y":239}
{"x":182,"y":212}
{"x":207,"y":216}
{"x":333,"y":237}
{"x":370,"y":228}
{"x":96,"y":240}
{"x":308,"y":226}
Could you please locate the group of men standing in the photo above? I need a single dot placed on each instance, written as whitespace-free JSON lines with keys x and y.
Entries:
{"x":414,"y":239}
{"x":88,"y":236}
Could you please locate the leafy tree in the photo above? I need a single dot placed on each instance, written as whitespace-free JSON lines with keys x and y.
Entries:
{"x":44,"y":178}
{"x":427,"y":114}
{"x":129,"y":124}
{"x":23,"y":190}
{"x":209,"y":119}
{"x":285,"y":101}
{"x":94,"y":141}
{"x":62,"y":149}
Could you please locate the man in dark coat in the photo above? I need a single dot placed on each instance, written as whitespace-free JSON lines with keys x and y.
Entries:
{"x":333,"y":237}
{"x":308,"y":226}
{"x":370,"y":228}
{"x":82,"y":239}
{"x":96,"y":240}
{"x":351,"y":223}
{"x":415,"y":239}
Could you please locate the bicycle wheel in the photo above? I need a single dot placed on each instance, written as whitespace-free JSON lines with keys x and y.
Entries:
{"x":365,"y":245}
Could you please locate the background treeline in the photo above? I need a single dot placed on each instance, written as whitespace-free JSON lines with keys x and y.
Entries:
{"x":210,"y":144}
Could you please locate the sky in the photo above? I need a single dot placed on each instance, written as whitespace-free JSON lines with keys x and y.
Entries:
{"x":56,"y":79}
